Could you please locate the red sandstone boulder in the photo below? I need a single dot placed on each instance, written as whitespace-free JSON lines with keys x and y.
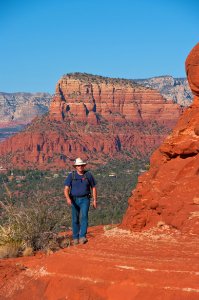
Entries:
{"x":169,"y":192}
{"x":192,"y":69}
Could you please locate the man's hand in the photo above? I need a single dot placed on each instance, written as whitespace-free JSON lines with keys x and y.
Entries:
{"x":66,"y":193}
{"x":95,"y":203}
{"x":69,"y":202}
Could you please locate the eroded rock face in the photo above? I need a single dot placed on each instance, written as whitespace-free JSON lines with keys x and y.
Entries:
{"x":91,"y":98}
{"x":96,"y":118}
{"x":168,"y":193}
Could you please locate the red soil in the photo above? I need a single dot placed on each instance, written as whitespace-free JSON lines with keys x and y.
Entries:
{"x":114,"y":264}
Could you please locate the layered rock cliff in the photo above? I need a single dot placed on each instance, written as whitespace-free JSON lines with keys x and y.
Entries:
{"x":96,"y":117}
{"x":168,"y":193}
{"x":93,"y":98}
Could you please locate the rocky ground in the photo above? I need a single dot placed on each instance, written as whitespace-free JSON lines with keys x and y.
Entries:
{"x":114,"y":264}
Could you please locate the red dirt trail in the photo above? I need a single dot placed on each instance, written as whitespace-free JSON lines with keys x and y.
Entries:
{"x":114,"y":264}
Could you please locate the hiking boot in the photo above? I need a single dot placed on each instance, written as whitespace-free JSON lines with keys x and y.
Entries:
{"x":75,"y":242}
{"x":83,"y":240}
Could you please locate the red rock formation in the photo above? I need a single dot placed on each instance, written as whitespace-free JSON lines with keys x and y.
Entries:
{"x":86,"y":97}
{"x":96,"y":118}
{"x":169,"y":192}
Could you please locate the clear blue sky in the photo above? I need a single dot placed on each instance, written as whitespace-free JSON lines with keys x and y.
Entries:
{"x":40,"y":40}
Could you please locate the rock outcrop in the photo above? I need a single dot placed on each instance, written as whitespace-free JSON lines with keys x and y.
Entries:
{"x":92,"y":98}
{"x":175,"y":89}
{"x":96,"y":117}
{"x":168,"y":193}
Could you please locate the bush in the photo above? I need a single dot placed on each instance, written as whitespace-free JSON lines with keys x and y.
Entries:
{"x":33,"y":224}
{"x":11,"y":249}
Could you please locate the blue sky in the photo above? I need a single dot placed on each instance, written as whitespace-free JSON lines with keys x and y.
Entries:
{"x":42,"y":40}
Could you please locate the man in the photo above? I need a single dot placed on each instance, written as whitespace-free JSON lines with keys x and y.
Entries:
{"x":78,"y":187}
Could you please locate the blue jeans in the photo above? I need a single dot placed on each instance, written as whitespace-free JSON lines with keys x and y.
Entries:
{"x":80,"y":208}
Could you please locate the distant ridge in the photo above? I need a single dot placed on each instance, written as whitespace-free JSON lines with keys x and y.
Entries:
{"x":175,"y":89}
{"x":22,"y":107}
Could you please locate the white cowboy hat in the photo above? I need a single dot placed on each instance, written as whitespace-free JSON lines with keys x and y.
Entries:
{"x":79,"y":162}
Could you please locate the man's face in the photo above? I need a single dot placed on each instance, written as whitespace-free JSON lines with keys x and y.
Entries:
{"x":80,"y":168}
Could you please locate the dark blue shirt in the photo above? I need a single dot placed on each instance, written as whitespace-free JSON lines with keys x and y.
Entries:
{"x":81,"y":184}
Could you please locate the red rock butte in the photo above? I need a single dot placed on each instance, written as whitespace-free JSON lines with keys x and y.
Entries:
{"x":90,"y":98}
{"x":168,"y":193}
{"x":94,"y":117}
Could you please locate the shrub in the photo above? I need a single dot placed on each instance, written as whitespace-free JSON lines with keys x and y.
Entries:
{"x":28,"y":251}
{"x":33,"y":224}
{"x":11,"y":249}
